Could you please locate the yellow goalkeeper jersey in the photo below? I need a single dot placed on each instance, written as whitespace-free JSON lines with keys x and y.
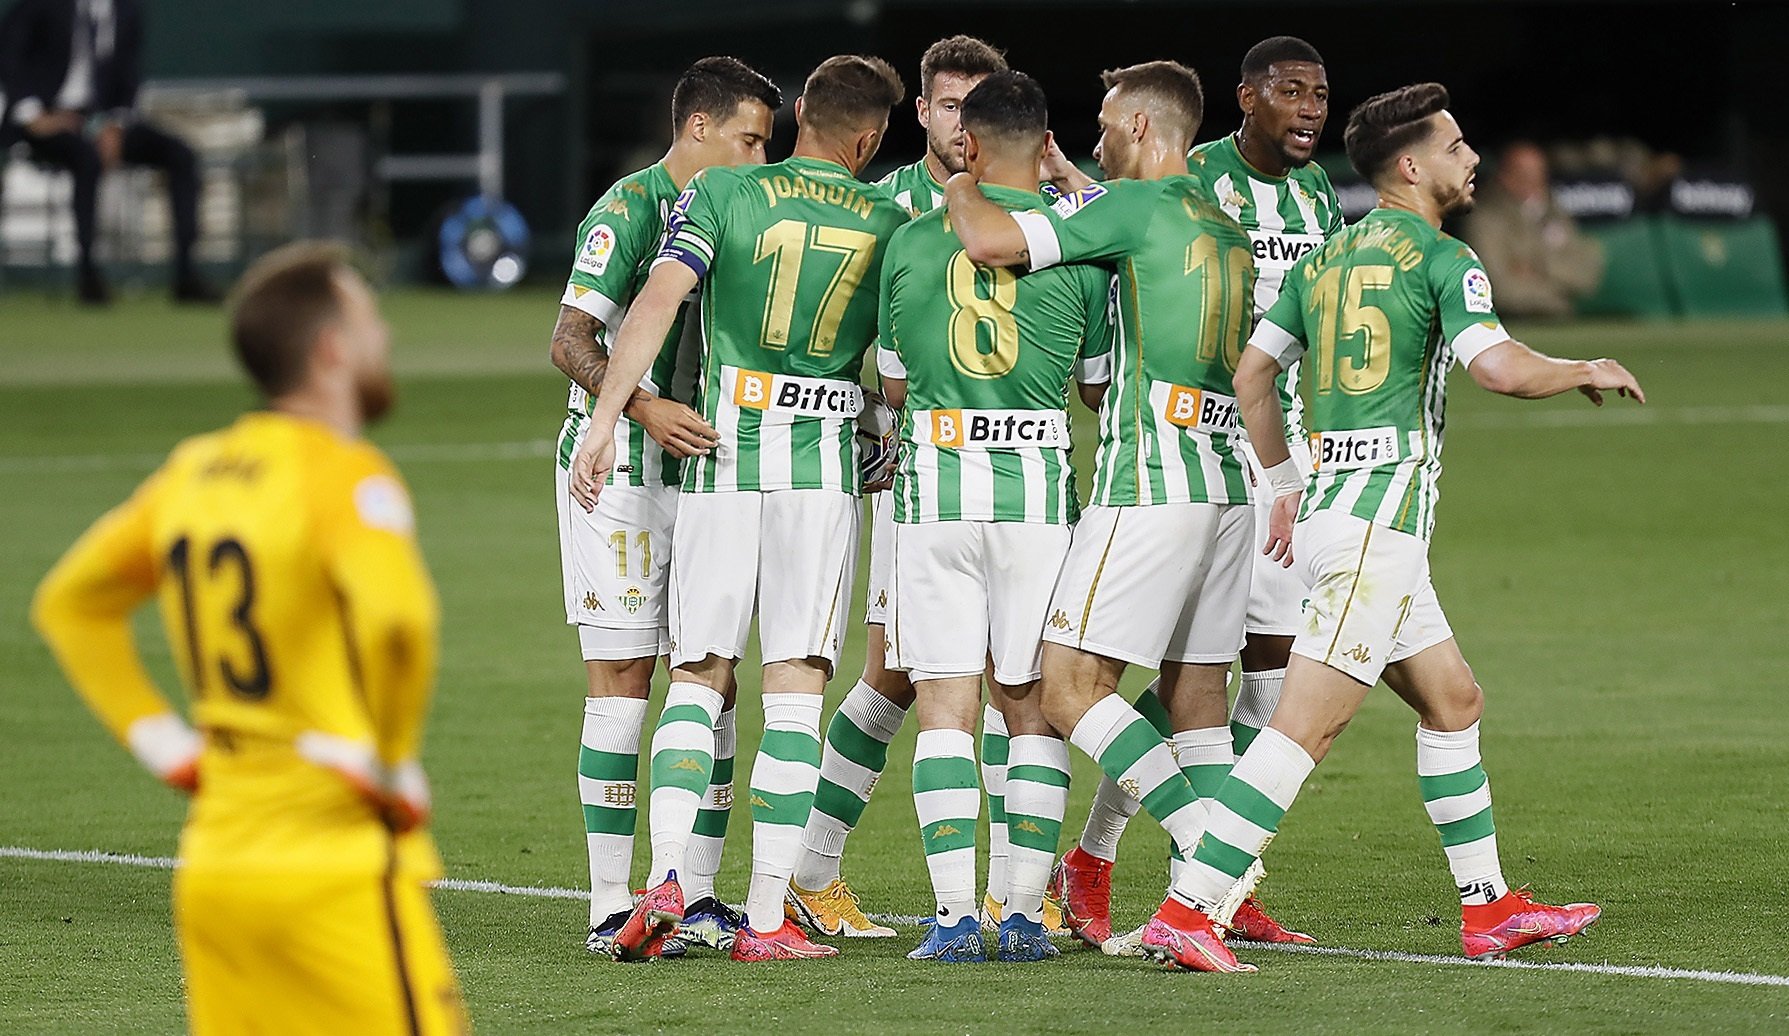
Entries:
{"x":284,"y":560}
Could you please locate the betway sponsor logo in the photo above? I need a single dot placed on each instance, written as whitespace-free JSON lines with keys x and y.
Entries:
{"x":1355,"y":448}
{"x":791,"y":394}
{"x":1278,"y":249}
{"x":991,"y":429}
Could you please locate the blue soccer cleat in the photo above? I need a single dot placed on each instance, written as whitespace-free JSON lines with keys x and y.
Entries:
{"x":710,"y":922}
{"x":958,"y":943}
{"x":1021,"y":940}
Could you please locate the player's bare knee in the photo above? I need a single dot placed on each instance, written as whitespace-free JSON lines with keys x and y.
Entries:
{"x":619,"y":678}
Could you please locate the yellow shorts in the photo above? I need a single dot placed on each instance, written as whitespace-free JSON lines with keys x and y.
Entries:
{"x":330,"y":954}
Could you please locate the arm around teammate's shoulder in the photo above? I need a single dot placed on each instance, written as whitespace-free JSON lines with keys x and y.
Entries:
{"x":990,"y":234}
{"x":1510,"y":368}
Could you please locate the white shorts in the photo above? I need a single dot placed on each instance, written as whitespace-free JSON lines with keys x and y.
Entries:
{"x":615,"y":563}
{"x":882,"y":532}
{"x":789,"y":555}
{"x":965,"y":592}
{"x":1371,"y":601}
{"x":1163,"y":583}
{"x":1276,"y":594}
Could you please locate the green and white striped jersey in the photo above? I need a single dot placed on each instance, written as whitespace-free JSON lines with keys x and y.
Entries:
{"x":987,"y":354}
{"x":913,"y":188}
{"x":790,"y":255}
{"x":1386,"y":305}
{"x":1169,"y":421}
{"x":1286,"y":218}
{"x":617,"y":242}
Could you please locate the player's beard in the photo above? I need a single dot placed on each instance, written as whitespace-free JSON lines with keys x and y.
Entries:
{"x":949,"y":155}
{"x":1457,"y":200}
{"x":376,"y":392}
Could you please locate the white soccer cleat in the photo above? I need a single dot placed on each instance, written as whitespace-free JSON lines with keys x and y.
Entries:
{"x":1130,"y":944}
{"x":1225,"y":910}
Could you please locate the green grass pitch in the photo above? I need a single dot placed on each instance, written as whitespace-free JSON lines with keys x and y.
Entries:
{"x":1620,"y":580}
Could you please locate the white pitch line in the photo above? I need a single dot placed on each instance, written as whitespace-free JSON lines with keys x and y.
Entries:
{"x":1739,"y":978}
{"x":1618,"y":413}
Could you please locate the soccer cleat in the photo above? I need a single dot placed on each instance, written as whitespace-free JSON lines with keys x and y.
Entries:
{"x":1182,"y":939}
{"x":710,"y":922}
{"x":601,"y":939}
{"x":1252,"y":922}
{"x":786,"y":943}
{"x":1516,"y":920}
{"x":1130,"y":944}
{"x":653,"y":919}
{"x":1082,"y":883}
{"x":1223,"y":913}
{"x":833,"y":910}
{"x":1021,"y":940}
{"x":959,"y":943}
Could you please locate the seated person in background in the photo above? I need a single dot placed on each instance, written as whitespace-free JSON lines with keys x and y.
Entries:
{"x":69,"y":72}
{"x":1531,"y":248}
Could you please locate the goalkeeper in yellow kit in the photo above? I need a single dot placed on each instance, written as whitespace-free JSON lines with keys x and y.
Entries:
{"x":282,"y":554}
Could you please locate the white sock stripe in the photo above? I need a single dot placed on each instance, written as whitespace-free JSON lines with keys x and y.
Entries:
{"x":847,"y":774}
{"x":685,"y":692}
{"x":871,"y":712}
{"x":794,"y":712}
{"x":1459,"y":807}
{"x":1231,"y":828}
{"x":1257,"y":694}
{"x":593,"y":792}
{"x":1101,"y":724}
{"x":1276,"y":766}
{"x":992,"y":721}
{"x":613,"y":725}
{"x":726,"y":735}
{"x":778,"y":777}
{"x":1439,"y":753}
{"x":944,"y":743}
{"x":947,"y":803}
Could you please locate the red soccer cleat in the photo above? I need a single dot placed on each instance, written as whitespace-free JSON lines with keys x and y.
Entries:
{"x":1082,"y":883}
{"x":654,"y":917}
{"x":786,"y":943}
{"x":1252,"y":923}
{"x":1516,"y":920}
{"x":1182,"y":938}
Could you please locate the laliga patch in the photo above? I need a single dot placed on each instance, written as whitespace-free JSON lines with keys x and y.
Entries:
{"x":1476,"y":288}
{"x":383,"y":504}
{"x":1075,"y":201}
{"x":598,"y":247}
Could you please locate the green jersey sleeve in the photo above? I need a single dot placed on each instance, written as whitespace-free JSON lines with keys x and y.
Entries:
{"x":1281,"y":332}
{"x":1469,"y":321}
{"x":698,"y":219}
{"x":617,"y":236}
{"x":888,"y":349}
{"x":1099,"y":221}
{"x":1093,"y":366}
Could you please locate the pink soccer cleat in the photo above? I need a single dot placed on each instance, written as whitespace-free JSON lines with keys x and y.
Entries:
{"x":1181,"y":938}
{"x":654,"y":917}
{"x":1516,"y":920}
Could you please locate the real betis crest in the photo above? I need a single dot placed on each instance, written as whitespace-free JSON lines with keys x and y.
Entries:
{"x":632,"y":598}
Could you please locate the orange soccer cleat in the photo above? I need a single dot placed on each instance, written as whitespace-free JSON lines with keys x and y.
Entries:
{"x":1516,"y":920}
{"x":1252,"y":923}
{"x":654,"y":918}
{"x":786,"y":943}
{"x":1082,"y":883}
{"x":1182,"y":938}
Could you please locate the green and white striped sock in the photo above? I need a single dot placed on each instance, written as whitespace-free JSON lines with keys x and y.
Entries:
{"x":947,"y":798}
{"x":682,"y":760}
{"x":994,"y":754}
{"x":856,"y":751}
{"x":1131,"y":751}
{"x":1457,"y":795}
{"x":1205,"y":756}
{"x":703,"y":857}
{"x":1112,"y":807}
{"x":608,"y":770}
{"x":1244,"y":818}
{"x":784,"y":776}
{"x":1036,"y":796}
{"x":1257,"y":695}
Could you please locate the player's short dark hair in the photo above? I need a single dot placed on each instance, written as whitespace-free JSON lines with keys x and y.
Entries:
{"x":850,"y":93}
{"x":716,"y":87}
{"x":1380,"y":128}
{"x":1262,"y":56}
{"x":283,"y":301}
{"x":962,"y":55}
{"x":1008,"y":106}
{"x":1172,"y":85}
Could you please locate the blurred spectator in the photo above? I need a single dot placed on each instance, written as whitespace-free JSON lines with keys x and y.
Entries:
{"x":69,"y":72}
{"x":1537,"y":259}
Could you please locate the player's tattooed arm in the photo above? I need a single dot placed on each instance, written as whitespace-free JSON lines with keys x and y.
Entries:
{"x":989,"y":233}
{"x":578,"y":354}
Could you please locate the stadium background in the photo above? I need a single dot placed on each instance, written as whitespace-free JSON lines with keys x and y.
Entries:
{"x":1617,"y":577}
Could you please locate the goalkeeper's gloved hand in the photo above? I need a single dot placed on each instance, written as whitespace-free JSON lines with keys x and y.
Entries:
{"x":168,"y":748}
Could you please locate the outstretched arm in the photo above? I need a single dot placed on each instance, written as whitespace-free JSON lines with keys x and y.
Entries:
{"x":1512,"y":369}
{"x":577,"y":353}
{"x":990,"y":234}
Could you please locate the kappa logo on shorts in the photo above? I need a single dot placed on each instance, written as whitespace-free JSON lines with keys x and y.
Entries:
{"x":593,"y":603}
{"x":882,"y":598}
{"x":632,"y":598}
{"x":1359,"y":653}
{"x":1059,"y":621}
